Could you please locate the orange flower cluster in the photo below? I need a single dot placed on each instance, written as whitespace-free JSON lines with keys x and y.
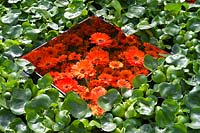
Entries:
{"x":92,"y":57}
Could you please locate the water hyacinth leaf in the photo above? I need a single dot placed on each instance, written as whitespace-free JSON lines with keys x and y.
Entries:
{"x":128,"y":29}
{"x":108,"y":100}
{"x":135,"y":11}
{"x":192,"y":98}
{"x":169,"y":90}
{"x":174,"y":72}
{"x":171,"y":29}
{"x":26,"y":65}
{"x":45,"y":81}
{"x":145,"y":106}
{"x":171,"y":105}
{"x":63,"y":117}
{"x":195,"y":118}
{"x":14,"y":51}
{"x":18,"y":100}
{"x":38,"y":103}
{"x":177,"y":128}
{"x":13,"y":1}
{"x":164,"y":117}
{"x":108,"y":126}
{"x":116,"y":4}
{"x":19,"y":126}
{"x":193,"y":24}
{"x":178,"y":60}
{"x":131,"y":123}
{"x":75,"y":105}
{"x":76,"y":127}
{"x":61,"y":3}
{"x":35,"y":122}
{"x":11,"y":16}
{"x":53,"y":25}
{"x":139,"y":80}
{"x":14,"y":31}
{"x":53,"y":94}
{"x":5,"y":118}
{"x":173,"y":7}
{"x":144,"y":24}
{"x":150,"y":63}
{"x":72,"y":15}
{"x":3,"y":102}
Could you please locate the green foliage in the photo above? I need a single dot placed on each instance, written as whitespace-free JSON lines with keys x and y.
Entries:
{"x":166,"y":100}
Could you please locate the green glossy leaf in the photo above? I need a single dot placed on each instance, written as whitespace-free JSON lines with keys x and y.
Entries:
{"x":178,"y":60}
{"x":13,"y":1}
{"x":116,"y":4}
{"x":139,"y":80}
{"x":191,"y":99}
{"x":35,"y":123}
{"x":145,"y":106}
{"x":13,"y":31}
{"x":3,"y":102}
{"x":171,"y":105}
{"x":75,"y":105}
{"x":135,"y":11}
{"x":45,"y":81}
{"x":109,"y":100}
{"x":19,"y":126}
{"x":61,"y":3}
{"x":63,"y":117}
{"x":131,"y":123}
{"x":164,"y":117}
{"x":18,"y":100}
{"x":195,"y":118}
{"x":144,"y":24}
{"x":5,"y":118}
{"x":174,"y":73}
{"x":171,"y":29}
{"x":11,"y":16}
{"x":193,"y":24}
{"x":38,"y":103}
{"x":150,"y":63}
{"x":76,"y":127}
{"x":173,"y":7}
{"x":108,"y":126}
{"x":169,"y":90}
{"x":177,"y":128}
{"x":14,"y":51}
{"x":72,"y":15}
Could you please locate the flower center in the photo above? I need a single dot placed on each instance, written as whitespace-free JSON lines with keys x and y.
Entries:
{"x":136,"y":58}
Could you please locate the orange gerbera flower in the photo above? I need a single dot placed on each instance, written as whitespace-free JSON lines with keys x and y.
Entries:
{"x":83,"y":69}
{"x":100,"y":39}
{"x":74,"y":56}
{"x":82,"y":91}
{"x":66,"y":84}
{"x":47,"y":63}
{"x":96,"y":110}
{"x":115,"y":64}
{"x":34,"y":57}
{"x":133,"y":41}
{"x":108,"y":70}
{"x":50,"y":51}
{"x":105,"y":78}
{"x":98,"y":57}
{"x":122,"y":83}
{"x":97,"y":92}
{"x":60,"y":48}
{"x":134,"y":57}
{"x":94,"y":83}
{"x":127,"y":75}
